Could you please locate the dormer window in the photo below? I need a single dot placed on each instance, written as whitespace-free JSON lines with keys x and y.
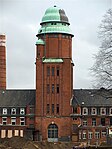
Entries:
{"x":4,"y":111}
{"x":93,"y":111}
{"x":85,"y":111}
{"x":103,"y":111}
{"x":22,"y":111}
{"x":13,"y":111}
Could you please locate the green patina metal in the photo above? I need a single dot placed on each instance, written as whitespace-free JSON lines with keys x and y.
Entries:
{"x":55,"y":21}
{"x":52,"y":60}
{"x":57,"y":28}
{"x":51,"y":14}
{"x":40,"y":41}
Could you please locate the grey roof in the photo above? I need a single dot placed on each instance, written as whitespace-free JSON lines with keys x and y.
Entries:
{"x":9,"y":98}
{"x":92,"y":97}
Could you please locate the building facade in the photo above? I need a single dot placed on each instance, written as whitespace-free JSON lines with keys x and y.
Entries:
{"x":54,"y":111}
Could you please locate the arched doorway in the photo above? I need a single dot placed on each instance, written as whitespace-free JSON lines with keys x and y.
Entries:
{"x":52,"y":133}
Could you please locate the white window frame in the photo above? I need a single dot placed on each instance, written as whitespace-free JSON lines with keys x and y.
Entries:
{"x":4,"y":121}
{"x":84,"y":122}
{"x":84,"y":135}
{"x":13,"y":119}
{"x":101,"y":112}
{"x":90,"y":135}
{"x":80,"y":135}
{"x":103,"y":133}
{"x":85,"y":111}
{"x":22,"y":121}
{"x":94,"y":122}
{"x":92,"y":110}
{"x":13,"y":110}
{"x":4,"y":111}
{"x":22,"y":111}
{"x":110,"y":111}
{"x":97,"y":134}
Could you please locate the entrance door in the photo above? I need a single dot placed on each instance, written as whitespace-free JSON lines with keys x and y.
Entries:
{"x":52,"y":133}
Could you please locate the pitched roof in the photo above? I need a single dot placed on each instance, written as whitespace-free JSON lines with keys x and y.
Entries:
{"x":92,"y":97}
{"x":9,"y":98}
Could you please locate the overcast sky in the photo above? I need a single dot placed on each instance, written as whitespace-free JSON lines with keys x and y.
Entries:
{"x":20,"y":21}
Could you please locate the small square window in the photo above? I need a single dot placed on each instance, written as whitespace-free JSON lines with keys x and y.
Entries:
{"x":13,"y":111}
{"x":22,"y":111}
{"x":13,"y":120}
{"x":4,"y":111}
{"x":85,"y":111}
{"x":103,"y":111}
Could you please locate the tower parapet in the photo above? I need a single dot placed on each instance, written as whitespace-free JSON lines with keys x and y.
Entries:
{"x":2,"y":61}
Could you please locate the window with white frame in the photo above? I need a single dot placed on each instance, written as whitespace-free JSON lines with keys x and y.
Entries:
{"x":93,"y":111}
{"x":90,"y":135}
{"x":85,"y":122}
{"x":85,"y":111}
{"x":97,"y":134}
{"x":84,"y":134}
{"x":13,"y":111}
{"x":93,"y":121}
{"x":22,"y":111}
{"x":22,"y":121}
{"x":103,"y":111}
{"x":103,"y":133}
{"x":4,"y":111}
{"x":4,"y":120}
{"x":13,"y":120}
{"x":110,"y":111}
{"x":80,"y":135}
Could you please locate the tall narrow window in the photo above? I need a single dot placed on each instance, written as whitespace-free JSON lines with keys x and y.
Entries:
{"x":48,"y":109}
{"x":4,"y":120}
{"x":57,"y":108}
{"x":58,"y":71}
{"x":52,"y":108}
{"x":103,"y":121}
{"x":93,"y":121}
{"x":48,"y":88}
{"x":52,"y":88}
{"x":48,"y":71}
{"x":53,"y":69}
{"x":57,"y":88}
{"x":22,"y":121}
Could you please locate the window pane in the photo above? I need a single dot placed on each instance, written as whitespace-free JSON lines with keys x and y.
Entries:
{"x":53,"y":71}
{"x":52,"y":108}
{"x":57,"y":71}
{"x":48,"y":71}
{"x":57,"y":88}
{"x":52,"y":88}
{"x":57,"y":109}
{"x":48,"y":108}
{"x":48,"y":88}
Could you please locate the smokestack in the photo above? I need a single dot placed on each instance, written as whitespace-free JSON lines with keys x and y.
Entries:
{"x":2,"y":61}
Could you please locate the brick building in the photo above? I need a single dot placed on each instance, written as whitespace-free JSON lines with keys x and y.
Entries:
{"x":54,"y":111}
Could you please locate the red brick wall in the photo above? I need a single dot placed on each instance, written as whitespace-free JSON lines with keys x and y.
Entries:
{"x":2,"y":67}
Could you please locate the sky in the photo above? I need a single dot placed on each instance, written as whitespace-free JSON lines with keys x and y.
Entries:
{"x":20,"y":21}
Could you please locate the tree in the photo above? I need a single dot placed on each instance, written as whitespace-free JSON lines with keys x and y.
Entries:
{"x":102,"y":67}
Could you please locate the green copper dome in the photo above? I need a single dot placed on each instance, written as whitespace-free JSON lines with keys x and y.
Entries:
{"x":55,"y":14}
{"x":54,"y":21}
{"x":40,"y":41}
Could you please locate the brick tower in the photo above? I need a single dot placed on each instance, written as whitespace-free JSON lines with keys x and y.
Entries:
{"x":2,"y":62}
{"x":54,"y":77}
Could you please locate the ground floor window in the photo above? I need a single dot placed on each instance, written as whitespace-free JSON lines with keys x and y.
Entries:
{"x":52,"y":132}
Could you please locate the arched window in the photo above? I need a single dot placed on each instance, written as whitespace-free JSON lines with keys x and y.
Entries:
{"x":52,"y":133}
